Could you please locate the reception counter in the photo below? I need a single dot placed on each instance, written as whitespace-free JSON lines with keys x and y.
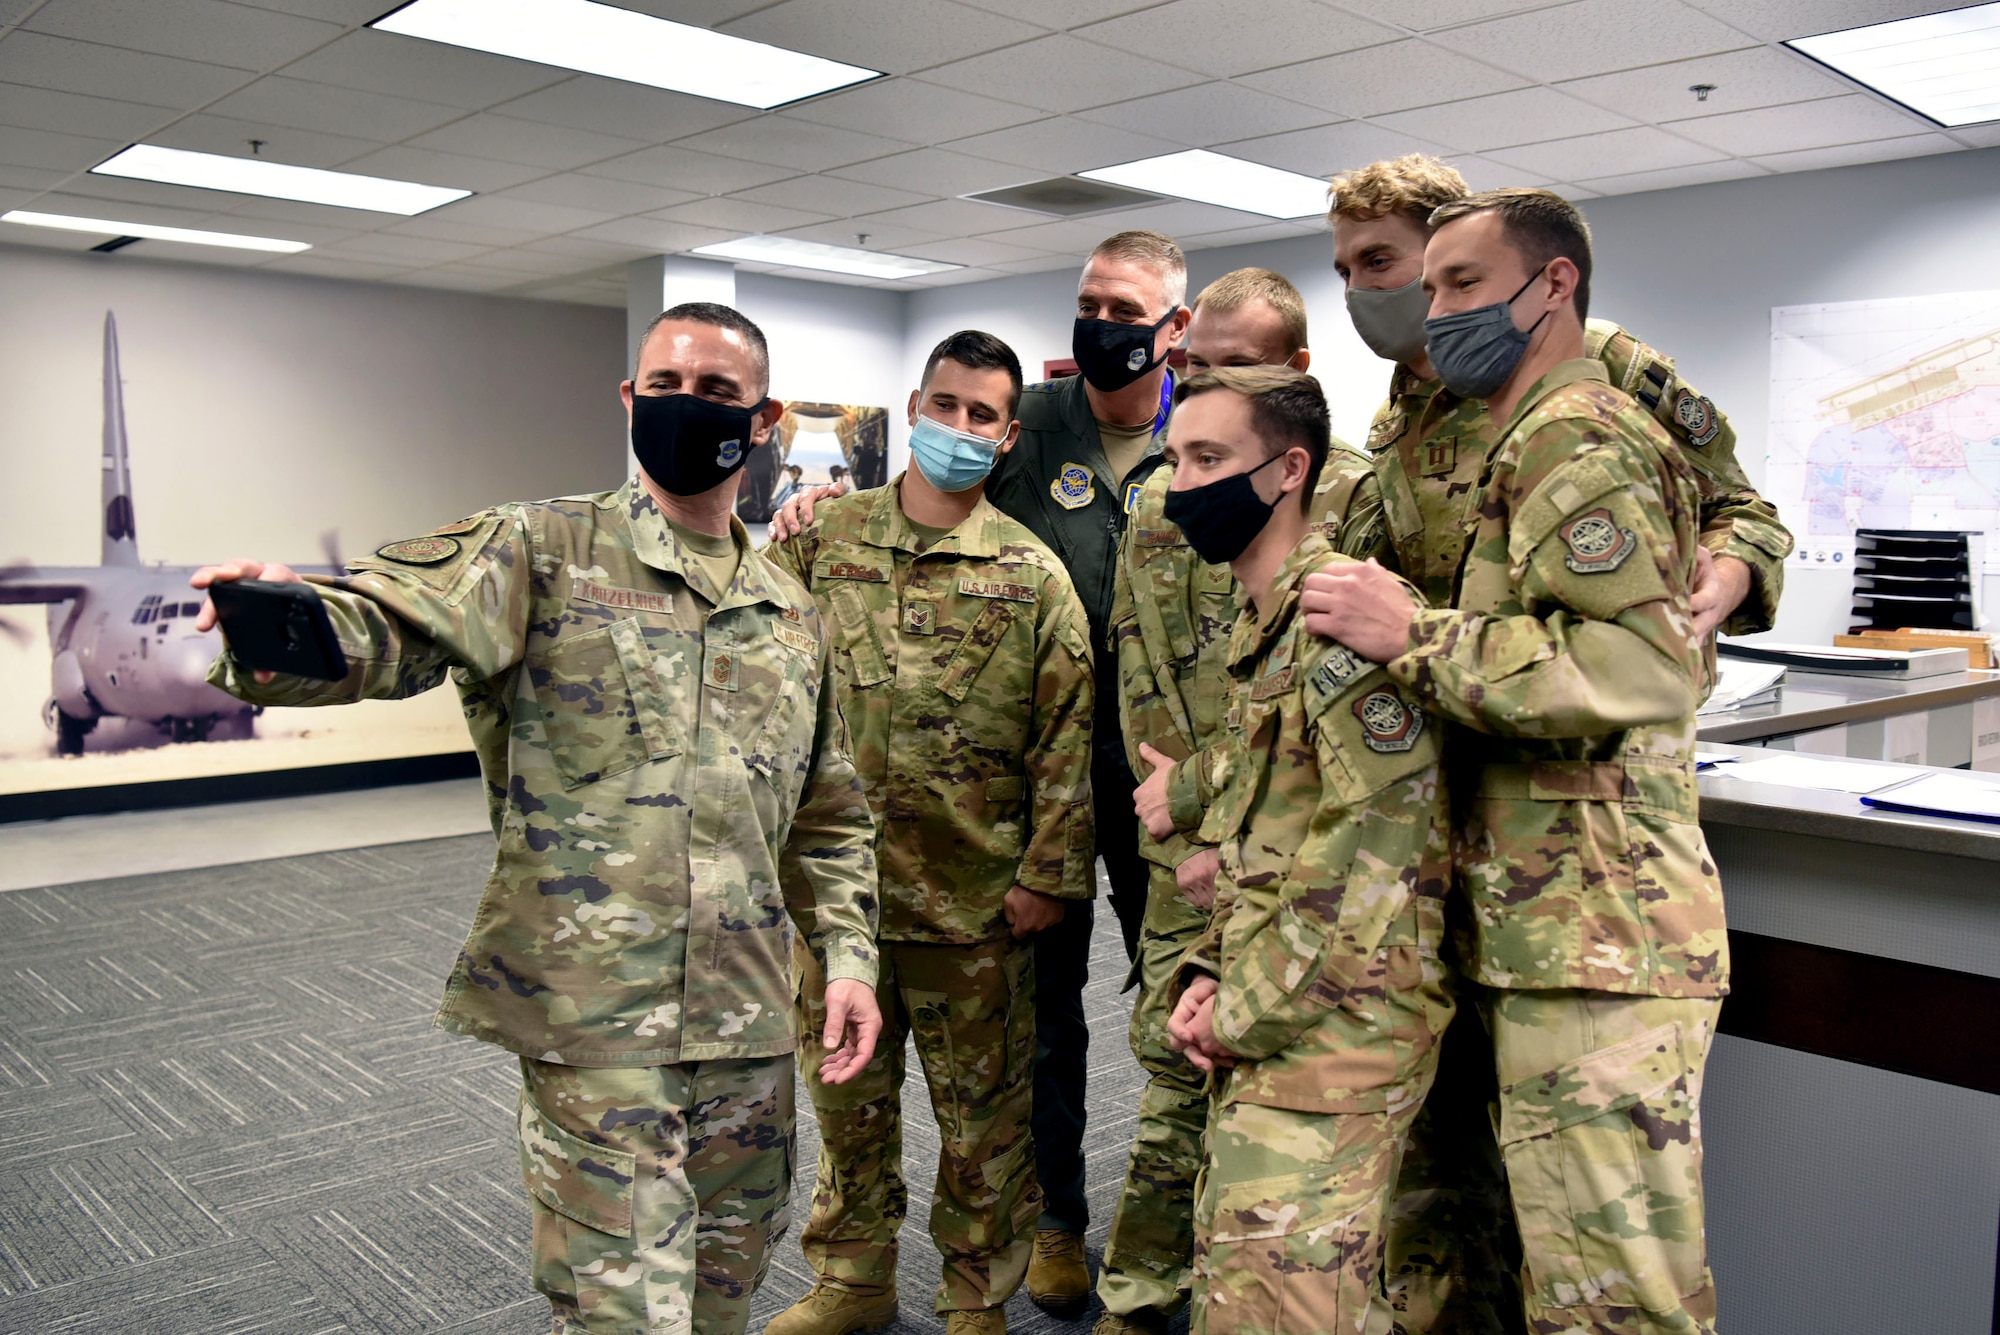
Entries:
{"x":1852,"y":1107}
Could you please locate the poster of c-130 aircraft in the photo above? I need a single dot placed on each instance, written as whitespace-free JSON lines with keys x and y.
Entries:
{"x":103,"y":674}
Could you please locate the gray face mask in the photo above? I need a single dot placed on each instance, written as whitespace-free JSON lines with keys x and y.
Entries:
{"x":1391,"y":321}
{"x":1475,"y":351}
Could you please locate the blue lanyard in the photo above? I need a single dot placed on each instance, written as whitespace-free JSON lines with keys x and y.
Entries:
{"x":1166,"y":401}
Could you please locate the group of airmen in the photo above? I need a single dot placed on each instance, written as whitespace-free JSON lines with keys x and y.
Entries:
{"x":1388,"y":756}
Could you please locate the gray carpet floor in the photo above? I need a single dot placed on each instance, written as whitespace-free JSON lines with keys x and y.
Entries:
{"x":223,"y":1109}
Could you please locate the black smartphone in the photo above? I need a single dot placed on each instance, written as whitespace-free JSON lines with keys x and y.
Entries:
{"x":279,"y":628}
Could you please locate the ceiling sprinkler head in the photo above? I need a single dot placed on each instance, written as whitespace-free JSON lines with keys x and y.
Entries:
{"x":1701,"y":91}
{"x":861,"y":238}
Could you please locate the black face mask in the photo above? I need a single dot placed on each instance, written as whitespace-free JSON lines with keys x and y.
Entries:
{"x":689,"y":444}
{"x":1221,"y":519}
{"x":1112,"y":355}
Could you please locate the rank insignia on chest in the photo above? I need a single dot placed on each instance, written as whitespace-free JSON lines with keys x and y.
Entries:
{"x":1697,"y":417}
{"x":722,"y":669}
{"x":420,"y":551}
{"x":1387,"y":724}
{"x":1597,"y":546}
{"x":920,"y":617}
{"x":1074,"y":487}
{"x":1440,"y":457}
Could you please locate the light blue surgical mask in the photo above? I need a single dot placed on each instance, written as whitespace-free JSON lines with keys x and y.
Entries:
{"x":951,"y":460}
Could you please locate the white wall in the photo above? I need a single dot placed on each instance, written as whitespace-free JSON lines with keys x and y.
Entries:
{"x":264,"y":410}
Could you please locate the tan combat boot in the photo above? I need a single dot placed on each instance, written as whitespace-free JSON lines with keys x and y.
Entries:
{"x":988,"y":1321}
{"x":832,"y":1310}
{"x":1145,"y":1321}
{"x":1058,"y":1279}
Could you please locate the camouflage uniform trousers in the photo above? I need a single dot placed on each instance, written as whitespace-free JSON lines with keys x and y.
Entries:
{"x":658,"y":1191}
{"x":1147,"y":1257}
{"x":971,"y":1009}
{"x":1597,"y":1109}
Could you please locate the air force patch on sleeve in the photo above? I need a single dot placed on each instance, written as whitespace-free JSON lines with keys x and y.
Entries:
{"x":1074,"y":487}
{"x":420,"y":551}
{"x":1387,"y":724}
{"x":1597,"y":546}
{"x":1697,"y":417}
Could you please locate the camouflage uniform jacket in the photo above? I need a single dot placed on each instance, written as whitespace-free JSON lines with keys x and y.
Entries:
{"x":1335,"y":860}
{"x":965,"y":678}
{"x":1429,"y":446}
{"x":1170,"y":623}
{"x":648,"y":761}
{"x":1567,"y":659}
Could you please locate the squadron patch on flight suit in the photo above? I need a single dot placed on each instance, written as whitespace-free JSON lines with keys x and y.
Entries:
{"x":1697,"y":416}
{"x":1387,"y":724}
{"x":419,"y":551}
{"x":1597,"y":546}
{"x":1074,"y":487}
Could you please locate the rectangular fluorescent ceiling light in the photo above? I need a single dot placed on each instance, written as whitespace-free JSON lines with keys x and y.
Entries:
{"x":619,"y":44}
{"x":1945,"y":67}
{"x":276,"y":180}
{"x":813,"y":255}
{"x":1211,"y":178}
{"x":105,"y":227}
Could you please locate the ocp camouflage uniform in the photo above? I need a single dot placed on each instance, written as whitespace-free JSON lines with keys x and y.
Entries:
{"x":652,"y":747}
{"x":1171,"y":619}
{"x":1329,"y":917}
{"x":1594,"y":932}
{"x":1454,"y":1261}
{"x":964,"y":671}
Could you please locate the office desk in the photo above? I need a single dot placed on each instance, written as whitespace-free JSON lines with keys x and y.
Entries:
{"x":1931,"y":720}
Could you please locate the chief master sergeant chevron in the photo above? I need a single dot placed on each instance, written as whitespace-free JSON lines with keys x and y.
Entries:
{"x":653,"y":707}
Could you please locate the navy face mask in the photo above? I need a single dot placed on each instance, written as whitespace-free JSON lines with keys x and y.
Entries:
{"x":1111,"y":355}
{"x":689,"y":444}
{"x":1220,"y":519}
{"x":1475,"y":351}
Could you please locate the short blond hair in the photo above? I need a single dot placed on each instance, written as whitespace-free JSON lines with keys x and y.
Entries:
{"x":1412,"y":185}
{"x":1154,"y":250}
{"x":1239,"y":287}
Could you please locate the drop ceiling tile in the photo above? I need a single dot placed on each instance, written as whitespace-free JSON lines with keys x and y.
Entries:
{"x":44,"y":238}
{"x":1058,"y":15}
{"x":103,"y":71}
{"x":1209,"y":113}
{"x":285,"y":212}
{"x":1071,"y":260}
{"x":1853,"y":118}
{"x":610,"y":106}
{"x":1212,"y":35}
{"x":1594,"y":37}
{"x":30,"y":178}
{"x":316,"y":266}
{"x":1329,"y":149}
{"x":679,"y":169}
{"x":893,"y":35}
{"x":598,"y":252}
{"x":977,"y":250}
{"x":525,"y":214}
{"x":1483,"y":174}
{"x":1673,"y":178}
{"x":952,"y":277}
{"x":69,"y":113}
{"x":599,"y":193}
{"x":1073,"y":238}
{"x":1061,"y":73}
{"x":1241,"y":236}
{"x":784,"y":142}
{"x":956,"y":217}
{"x":1384,"y":78}
{"x":1186,"y":217}
{"x":830,"y":195}
{"x":517,"y":265}
{"x":1778,"y":20}
{"x":1979,"y":136}
{"x":700,"y":13}
{"x":905,"y":108}
{"x":385,"y":247}
{"x":387,"y":62}
{"x":740,"y":215}
{"x":1618,"y":153}
{"x":57,"y":152}
{"x":1850,"y":155}
{"x":1524,"y":116}
{"x":936,"y":171}
{"x":346,"y":12}
{"x":1063,"y":146}
{"x":87,"y":206}
{"x":655,"y":235}
{"x":120,"y":190}
{"x":1576,"y":194}
{"x":231,"y":138}
{"x":1761,"y":76}
{"x":204,"y":30}
{"x":447,"y":229}
{"x":429,"y":167}
{"x":849,"y":231}
{"x":535,"y":143}
{"x":296,"y":104}
{"x":1430,"y":15}
{"x":455,"y":278}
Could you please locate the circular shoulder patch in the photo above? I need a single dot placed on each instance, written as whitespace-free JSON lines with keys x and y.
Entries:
{"x":419,"y":551}
{"x":1073,"y":487}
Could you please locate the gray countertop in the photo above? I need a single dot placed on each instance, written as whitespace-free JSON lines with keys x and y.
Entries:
{"x":1816,"y":813}
{"x":1808,"y":701}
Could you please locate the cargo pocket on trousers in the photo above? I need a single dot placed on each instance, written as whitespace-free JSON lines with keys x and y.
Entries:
{"x":1605,"y":1172}
{"x":590,"y":1184}
{"x":1290,"y":1253}
{"x":930,"y":1024}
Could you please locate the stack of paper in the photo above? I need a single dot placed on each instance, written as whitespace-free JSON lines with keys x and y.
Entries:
{"x":1943,"y":793}
{"x":1793,"y":770}
{"x":1741,"y":683}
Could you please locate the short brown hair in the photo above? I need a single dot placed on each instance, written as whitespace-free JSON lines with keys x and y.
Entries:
{"x":1154,"y":250}
{"x":1287,"y":409}
{"x":1240,"y":287}
{"x":1539,"y":224}
{"x":721,"y":317}
{"x":1412,"y":185}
